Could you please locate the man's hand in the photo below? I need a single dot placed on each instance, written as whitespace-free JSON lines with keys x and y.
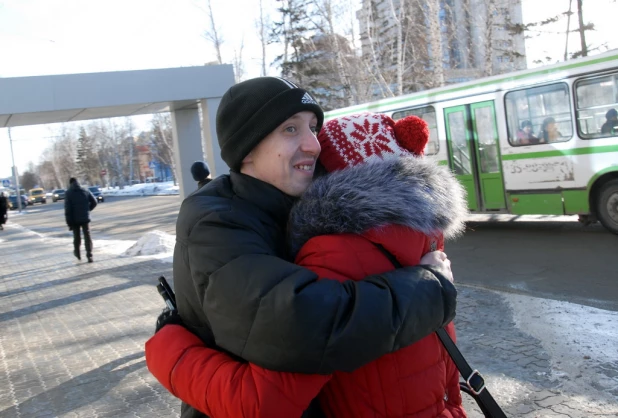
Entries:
{"x":438,"y":258}
{"x":70,"y":227}
{"x":168,"y":317}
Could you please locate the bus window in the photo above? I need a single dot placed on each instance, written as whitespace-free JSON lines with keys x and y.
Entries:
{"x":539,"y":115}
{"x":428,"y":114}
{"x":597,"y":102}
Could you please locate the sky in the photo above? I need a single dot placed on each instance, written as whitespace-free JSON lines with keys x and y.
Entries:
{"x":44,"y":37}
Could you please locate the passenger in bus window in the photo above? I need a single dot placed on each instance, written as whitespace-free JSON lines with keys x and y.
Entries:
{"x":609,"y":127}
{"x":549,"y":131}
{"x":524,"y":135}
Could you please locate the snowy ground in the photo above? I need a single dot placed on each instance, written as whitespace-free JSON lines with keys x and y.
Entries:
{"x":142,"y":189}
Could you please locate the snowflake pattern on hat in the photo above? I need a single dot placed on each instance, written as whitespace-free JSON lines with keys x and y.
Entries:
{"x":354,"y":139}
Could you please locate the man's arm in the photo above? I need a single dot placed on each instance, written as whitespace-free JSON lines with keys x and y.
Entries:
{"x":92,"y":202}
{"x":279,"y":316}
{"x":219,"y":386}
{"x":68,"y":211}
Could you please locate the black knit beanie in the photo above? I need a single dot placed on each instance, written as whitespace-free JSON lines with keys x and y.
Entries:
{"x":251,"y":110}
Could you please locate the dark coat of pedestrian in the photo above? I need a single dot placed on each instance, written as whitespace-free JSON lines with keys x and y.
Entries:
{"x":200,"y":173}
{"x":78,"y":203}
{"x":4,"y":210}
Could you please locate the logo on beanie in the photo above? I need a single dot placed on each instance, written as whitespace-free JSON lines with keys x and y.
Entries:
{"x":307,"y":99}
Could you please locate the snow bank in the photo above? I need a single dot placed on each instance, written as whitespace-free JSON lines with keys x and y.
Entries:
{"x":152,"y":243}
{"x":142,"y":189}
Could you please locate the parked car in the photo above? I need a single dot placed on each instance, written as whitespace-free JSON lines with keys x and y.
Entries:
{"x":13,"y":201}
{"x":57,"y":194}
{"x":96,"y":192}
{"x":37,"y":196}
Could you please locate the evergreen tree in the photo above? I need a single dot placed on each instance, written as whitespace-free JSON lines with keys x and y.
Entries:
{"x":86,"y":160}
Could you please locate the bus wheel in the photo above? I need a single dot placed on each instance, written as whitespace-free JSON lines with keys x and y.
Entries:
{"x":607,"y":206}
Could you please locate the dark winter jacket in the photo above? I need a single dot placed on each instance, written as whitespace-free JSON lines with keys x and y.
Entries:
{"x":405,"y":205}
{"x":4,"y":208}
{"x":203,"y":183}
{"x":240,"y":292}
{"x":78,"y":203}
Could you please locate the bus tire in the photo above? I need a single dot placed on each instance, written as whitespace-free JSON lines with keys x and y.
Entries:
{"x":607,"y":206}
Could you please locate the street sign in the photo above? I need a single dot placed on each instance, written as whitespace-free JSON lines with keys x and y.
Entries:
{"x":6,"y":183}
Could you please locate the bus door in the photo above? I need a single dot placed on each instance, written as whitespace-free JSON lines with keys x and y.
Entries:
{"x":474,"y":154}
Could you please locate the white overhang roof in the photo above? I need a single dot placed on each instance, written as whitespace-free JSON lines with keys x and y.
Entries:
{"x":74,"y":97}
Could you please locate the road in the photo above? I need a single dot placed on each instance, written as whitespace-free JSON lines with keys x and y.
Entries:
{"x":118,"y":218}
{"x":560,"y":260}
{"x":556,"y":258}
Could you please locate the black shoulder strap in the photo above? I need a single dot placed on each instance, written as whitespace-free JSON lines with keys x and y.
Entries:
{"x":474,"y":384}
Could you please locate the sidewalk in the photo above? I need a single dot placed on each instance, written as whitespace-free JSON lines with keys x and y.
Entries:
{"x":72,"y":337}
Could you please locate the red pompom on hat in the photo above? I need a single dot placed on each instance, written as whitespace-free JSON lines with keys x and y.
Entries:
{"x":412,"y":133}
{"x":363,"y":137}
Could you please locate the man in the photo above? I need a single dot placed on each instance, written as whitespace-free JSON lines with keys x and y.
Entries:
{"x":4,"y":208}
{"x":200,"y":173}
{"x":236,"y":285}
{"x":611,"y":122}
{"x":78,"y":203}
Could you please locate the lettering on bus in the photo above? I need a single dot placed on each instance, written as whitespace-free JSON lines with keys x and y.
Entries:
{"x":543,"y":171}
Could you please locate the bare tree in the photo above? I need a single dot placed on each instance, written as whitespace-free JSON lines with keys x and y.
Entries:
{"x":213,"y":34}
{"x":435,"y":41}
{"x":64,"y":152}
{"x":324,"y":23}
{"x":161,"y":140}
{"x":490,"y":13}
{"x":29,"y":179}
{"x":238,"y":62}
{"x":45,"y":171}
{"x":398,"y":15}
{"x":263,"y":28}
{"x":374,"y":50}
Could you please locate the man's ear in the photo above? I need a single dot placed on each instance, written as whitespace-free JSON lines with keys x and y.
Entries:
{"x":248,"y":159}
{"x":247,"y":164}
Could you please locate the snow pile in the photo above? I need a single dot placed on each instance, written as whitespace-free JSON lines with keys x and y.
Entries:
{"x":153,"y":243}
{"x":143,"y":189}
{"x":580,"y":339}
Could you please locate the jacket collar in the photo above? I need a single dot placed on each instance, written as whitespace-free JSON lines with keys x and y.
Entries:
{"x":265,"y":196}
{"x":406,"y":191}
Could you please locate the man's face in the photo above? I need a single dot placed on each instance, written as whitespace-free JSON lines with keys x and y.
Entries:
{"x":286,"y":157}
{"x":527,"y":129}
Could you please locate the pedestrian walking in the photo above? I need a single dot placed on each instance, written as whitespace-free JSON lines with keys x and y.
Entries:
{"x":4,"y":210}
{"x":78,"y":203}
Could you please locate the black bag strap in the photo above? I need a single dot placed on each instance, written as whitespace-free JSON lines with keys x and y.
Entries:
{"x":474,"y":384}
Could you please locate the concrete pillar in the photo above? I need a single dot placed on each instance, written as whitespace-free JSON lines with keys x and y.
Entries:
{"x":211,"y":144}
{"x":187,"y":147}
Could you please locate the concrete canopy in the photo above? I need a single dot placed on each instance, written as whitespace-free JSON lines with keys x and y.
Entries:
{"x":76,"y":97}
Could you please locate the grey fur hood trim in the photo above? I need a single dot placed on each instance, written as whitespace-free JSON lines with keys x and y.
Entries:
{"x":410,"y":191}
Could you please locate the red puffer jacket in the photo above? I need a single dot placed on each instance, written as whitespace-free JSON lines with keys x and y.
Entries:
{"x":417,"y":381}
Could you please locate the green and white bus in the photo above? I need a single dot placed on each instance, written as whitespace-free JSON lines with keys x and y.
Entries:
{"x":490,"y":132}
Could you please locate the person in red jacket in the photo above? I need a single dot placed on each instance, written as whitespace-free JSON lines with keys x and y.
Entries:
{"x":380,"y":205}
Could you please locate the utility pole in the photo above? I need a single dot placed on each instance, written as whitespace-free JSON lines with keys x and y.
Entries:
{"x":15,"y":176}
{"x":582,"y":30}
{"x":131,"y":162}
{"x":566,"y":46}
